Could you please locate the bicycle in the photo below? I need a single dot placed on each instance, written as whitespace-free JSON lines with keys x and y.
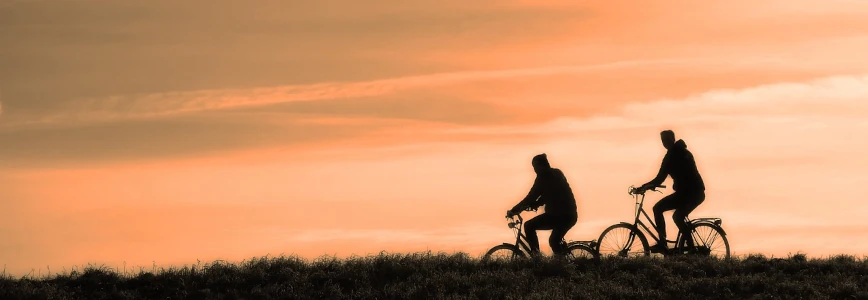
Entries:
{"x":575,"y":249}
{"x":620,"y":239}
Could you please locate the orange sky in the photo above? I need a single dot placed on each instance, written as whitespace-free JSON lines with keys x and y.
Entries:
{"x":166,"y":132}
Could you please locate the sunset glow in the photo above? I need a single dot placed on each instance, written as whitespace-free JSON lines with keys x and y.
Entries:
{"x":162,"y":132}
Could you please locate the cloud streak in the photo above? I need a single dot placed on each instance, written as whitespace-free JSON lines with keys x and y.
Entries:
{"x":171,"y":103}
{"x":123,"y":107}
{"x":838,"y":98}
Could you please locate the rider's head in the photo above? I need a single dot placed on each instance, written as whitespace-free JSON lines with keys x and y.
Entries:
{"x":668,"y":138}
{"x":540,"y":163}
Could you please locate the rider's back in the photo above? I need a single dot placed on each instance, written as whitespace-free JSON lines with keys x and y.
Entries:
{"x":682,"y":167}
{"x":556,"y":193}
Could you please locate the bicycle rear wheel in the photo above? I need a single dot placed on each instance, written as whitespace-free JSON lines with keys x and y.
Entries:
{"x":503,"y":252}
{"x":623,"y":240}
{"x":582,"y":251}
{"x":708,"y":239}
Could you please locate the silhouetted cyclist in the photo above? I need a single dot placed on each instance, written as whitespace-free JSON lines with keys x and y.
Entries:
{"x":550,"y":188}
{"x":686,"y":182}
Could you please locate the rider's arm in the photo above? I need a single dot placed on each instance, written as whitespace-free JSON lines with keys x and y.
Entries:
{"x":661,"y":174}
{"x":532,"y":196}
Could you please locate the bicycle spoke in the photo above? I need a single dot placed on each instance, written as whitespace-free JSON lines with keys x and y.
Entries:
{"x":707,"y":237}
{"x":614,"y":242}
{"x":699,"y":238}
{"x":712,"y":239}
{"x":579,"y":252}
{"x":621,"y":240}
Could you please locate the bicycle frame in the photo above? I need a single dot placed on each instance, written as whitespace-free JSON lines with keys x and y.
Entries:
{"x":521,"y":239}
{"x":640,"y":211}
{"x":637,"y":222}
{"x":648,"y":228}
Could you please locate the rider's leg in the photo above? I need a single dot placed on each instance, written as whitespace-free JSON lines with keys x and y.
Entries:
{"x":690,"y":202}
{"x":541,"y":222}
{"x":561,"y":226}
{"x":669,"y":202}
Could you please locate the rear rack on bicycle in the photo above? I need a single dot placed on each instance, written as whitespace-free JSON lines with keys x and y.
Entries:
{"x":715,"y":221}
{"x":591,"y":243}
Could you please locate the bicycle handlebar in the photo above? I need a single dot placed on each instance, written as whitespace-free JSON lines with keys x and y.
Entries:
{"x":513,"y":223}
{"x":639,"y":191}
{"x":509,"y":214}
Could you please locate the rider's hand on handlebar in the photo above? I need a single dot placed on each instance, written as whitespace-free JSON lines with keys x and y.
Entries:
{"x":647,"y":187}
{"x":510,"y":213}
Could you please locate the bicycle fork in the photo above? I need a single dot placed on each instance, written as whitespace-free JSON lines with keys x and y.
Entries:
{"x":630,"y":239}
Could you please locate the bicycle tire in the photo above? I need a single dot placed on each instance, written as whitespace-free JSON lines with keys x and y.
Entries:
{"x":715,"y":234}
{"x":610,"y":247}
{"x":583,"y":251}
{"x":516,"y":253}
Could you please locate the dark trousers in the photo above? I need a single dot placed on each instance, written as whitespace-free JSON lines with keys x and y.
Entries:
{"x":558,"y":224}
{"x":683,"y":203}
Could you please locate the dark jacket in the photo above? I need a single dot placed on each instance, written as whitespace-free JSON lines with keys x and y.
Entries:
{"x":679,"y":164}
{"x":552,"y":190}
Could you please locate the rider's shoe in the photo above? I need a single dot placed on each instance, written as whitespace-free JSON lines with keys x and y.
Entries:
{"x":659,"y":248}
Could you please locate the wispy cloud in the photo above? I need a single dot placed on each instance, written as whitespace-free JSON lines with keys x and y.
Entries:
{"x":833,"y":98}
{"x":162,"y":104}
{"x":172,"y":103}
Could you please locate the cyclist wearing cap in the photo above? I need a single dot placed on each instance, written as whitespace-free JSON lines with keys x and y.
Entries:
{"x":550,"y":189}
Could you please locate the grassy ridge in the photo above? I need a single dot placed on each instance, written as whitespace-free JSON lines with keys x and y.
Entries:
{"x":459,"y":276}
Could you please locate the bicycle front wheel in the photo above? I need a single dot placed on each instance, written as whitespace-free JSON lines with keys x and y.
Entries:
{"x":623,"y":240}
{"x":503,"y":252}
{"x":708,"y":239}
{"x":581,"y":251}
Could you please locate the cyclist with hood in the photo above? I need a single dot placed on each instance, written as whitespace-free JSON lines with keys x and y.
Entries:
{"x":550,"y":189}
{"x":687,"y":184}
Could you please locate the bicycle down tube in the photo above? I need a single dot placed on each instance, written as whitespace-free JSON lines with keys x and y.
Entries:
{"x":519,"y":240}
{"x":640,"y":210}
{"x":650,"y":221}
